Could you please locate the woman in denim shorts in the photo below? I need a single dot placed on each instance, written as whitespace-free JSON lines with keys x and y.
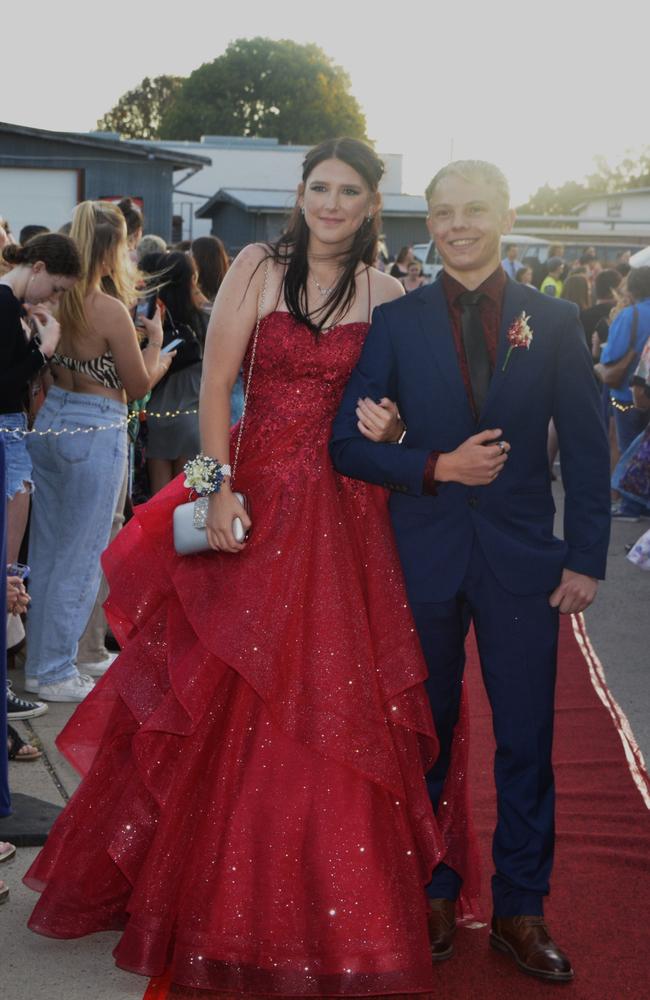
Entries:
{"x":40,"y":272}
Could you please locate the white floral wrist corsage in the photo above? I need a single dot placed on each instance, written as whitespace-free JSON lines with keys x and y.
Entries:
{"x":205,"y":475}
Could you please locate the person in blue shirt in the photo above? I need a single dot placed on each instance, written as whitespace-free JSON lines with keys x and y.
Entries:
{"x":510,"y":264}
{"x":630,"y":328}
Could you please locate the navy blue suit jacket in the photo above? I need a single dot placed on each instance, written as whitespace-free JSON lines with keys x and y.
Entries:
{"x":409,"y":356}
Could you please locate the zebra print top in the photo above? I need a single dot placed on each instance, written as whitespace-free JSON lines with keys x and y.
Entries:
{"x":101,"y":369}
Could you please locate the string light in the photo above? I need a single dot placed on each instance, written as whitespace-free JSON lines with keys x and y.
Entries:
{"x":122,"y":422}
{"x":621,"y":407}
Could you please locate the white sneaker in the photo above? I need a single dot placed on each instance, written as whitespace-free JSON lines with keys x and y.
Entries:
{"x":97,"y":669}
{"x":73,"y":688}
{"x":31,"y":685}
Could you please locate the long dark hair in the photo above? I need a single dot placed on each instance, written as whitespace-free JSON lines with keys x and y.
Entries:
{"x":290,"y":250}
{"x":175,"y":272}
{"x":211,"y":262}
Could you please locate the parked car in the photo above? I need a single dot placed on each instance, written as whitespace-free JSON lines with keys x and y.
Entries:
{"x":533,"y":251}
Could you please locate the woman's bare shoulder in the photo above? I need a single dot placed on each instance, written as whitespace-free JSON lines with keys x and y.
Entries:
{"x":251,"y":255}
{"x":384,"y":288}
{"x":250,"y":260}
{"x":102,"y":308}
{"x":252,"y":269}
{"x":108,"y":319}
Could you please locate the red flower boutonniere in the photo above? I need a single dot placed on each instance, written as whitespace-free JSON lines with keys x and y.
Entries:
{"x":519,"y":335}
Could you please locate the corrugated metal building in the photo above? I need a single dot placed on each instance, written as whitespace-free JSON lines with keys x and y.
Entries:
{"x":249,"y":215}
{"x":44,"y":174}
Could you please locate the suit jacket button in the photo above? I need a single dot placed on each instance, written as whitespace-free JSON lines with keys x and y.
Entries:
{"x":473,"y":501}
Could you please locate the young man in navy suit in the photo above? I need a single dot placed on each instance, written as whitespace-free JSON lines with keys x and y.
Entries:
{"x":478,"y":365}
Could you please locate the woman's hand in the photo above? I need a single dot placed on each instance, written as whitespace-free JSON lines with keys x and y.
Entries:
{"x":47,"y":328}
{"x":223,"y":508}
{"x":379,"y":421}
{"x":164,"y":364}
{"x":153,"y":328}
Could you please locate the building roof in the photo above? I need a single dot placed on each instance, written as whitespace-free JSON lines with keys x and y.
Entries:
{"x":111,"y":142}
{"x":259,"y":200}
{"x":611,"y":194}
{"x":247,"y":142}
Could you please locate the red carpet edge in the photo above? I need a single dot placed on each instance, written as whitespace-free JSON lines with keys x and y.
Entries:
{"x":631,"y":748}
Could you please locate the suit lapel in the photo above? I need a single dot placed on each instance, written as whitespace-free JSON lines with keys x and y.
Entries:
{"x":514,"y":303}
{"x":434,"y":322}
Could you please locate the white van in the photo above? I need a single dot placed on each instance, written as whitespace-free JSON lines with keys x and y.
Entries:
{"x":532,"y":250}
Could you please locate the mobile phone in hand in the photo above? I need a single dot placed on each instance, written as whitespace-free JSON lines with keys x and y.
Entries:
{"x":145,"y":308}
{"x":21,"y":570}
{"x":172,"y":345}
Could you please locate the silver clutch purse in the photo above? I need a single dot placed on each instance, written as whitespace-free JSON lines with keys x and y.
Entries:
{"x":190,"y":520}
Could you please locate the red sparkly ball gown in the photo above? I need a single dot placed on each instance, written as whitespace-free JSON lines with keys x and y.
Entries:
{"x":253,"y":814}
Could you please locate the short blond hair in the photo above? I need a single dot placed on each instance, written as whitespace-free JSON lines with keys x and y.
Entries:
{"x":472,"y":170}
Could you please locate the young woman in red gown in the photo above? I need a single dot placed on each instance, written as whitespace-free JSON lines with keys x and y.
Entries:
{"x":253,"y":815}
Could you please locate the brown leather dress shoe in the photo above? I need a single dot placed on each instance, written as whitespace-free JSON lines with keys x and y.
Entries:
{"x":528,"y":941}
{"x":442,"y":927}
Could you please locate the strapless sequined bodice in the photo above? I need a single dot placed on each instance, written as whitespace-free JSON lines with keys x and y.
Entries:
{"x":296,"y":388}
{"x":299,"y":375}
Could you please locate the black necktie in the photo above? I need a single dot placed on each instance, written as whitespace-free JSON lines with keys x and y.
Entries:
{"x":476,"y":352}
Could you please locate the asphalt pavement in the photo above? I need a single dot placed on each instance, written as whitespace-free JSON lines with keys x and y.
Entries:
{"x":34,"y":967}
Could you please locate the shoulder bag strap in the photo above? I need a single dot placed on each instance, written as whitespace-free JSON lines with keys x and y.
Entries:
{"x":260,"y":309}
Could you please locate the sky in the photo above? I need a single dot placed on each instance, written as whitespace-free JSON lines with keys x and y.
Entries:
{"x":538,"y":88}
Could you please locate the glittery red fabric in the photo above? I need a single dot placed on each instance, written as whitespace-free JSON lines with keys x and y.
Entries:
{"x":254,"y":815}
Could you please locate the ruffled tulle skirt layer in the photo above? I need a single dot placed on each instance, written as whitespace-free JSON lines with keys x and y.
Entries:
{"x":254,"y":816}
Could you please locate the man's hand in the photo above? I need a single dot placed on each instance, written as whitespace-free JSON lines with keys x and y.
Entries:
{"x":476,"y":462}
{"x":575,"y":593}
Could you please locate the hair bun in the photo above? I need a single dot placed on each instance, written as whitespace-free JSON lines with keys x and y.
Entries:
{"x":13,"y":253}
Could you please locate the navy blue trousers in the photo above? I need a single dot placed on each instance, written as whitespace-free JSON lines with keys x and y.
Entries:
{"x":517,"y":643}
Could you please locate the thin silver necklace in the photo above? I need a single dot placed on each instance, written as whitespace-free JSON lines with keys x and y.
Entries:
{"x":325,"y":292}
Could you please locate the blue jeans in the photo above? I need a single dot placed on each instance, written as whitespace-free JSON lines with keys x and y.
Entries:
{"x":629,"y":424}
{"x":78,"y":479}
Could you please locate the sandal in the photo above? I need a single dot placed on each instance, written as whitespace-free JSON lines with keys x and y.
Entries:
{"x":7,"y":850}
{"x":19,"y":750}
{"x":4,"y":892}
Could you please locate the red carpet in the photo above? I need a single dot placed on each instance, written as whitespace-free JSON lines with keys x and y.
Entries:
{"x":599,"y":908}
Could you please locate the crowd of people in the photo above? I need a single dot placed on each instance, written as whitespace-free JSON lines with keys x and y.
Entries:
{"x":86,"y":316}
{"x":279,"y":701}
{"x":614,"y":309}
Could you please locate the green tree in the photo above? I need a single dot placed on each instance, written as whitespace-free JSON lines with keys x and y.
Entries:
{"x":561,"y":200}
{"x":261,"y":87}
{"x":632,"y":172}
{"x":138,"y":113}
